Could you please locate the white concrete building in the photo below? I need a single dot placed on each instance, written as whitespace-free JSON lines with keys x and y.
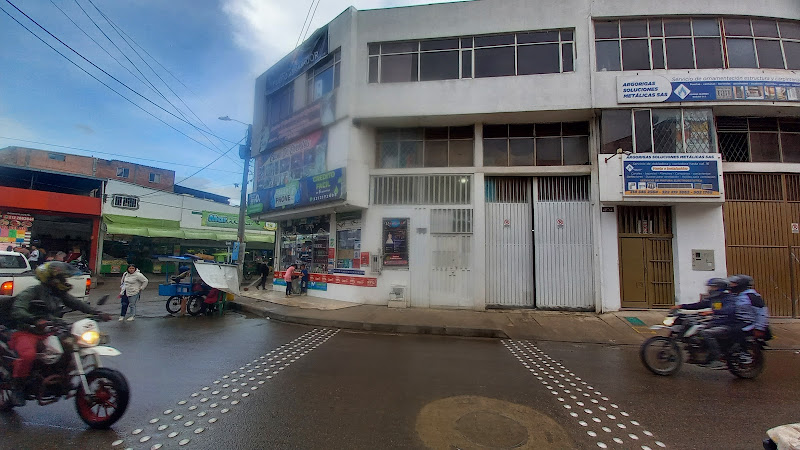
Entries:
{"x":577,"y":154}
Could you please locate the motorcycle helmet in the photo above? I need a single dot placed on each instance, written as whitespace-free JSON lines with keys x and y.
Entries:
{"x":54,"y":274}
{"x":717,"y":285}
{"x":740,"y":283}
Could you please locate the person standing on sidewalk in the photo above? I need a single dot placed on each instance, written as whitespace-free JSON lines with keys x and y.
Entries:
{"x":33,"y":258}
{"x":264,"y":270}
{"x":287,"y":277}
{"x":131,"y":287}
{"x":304,"y":279}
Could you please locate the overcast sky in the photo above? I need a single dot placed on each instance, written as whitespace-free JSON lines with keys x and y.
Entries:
{"x":215,"y":47}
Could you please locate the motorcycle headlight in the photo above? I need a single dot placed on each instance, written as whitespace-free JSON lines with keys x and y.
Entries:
{"x":90,"y":338}
{"x":669,"y":321}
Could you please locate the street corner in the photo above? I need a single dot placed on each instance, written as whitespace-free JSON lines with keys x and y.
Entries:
{"x":473,"y":422}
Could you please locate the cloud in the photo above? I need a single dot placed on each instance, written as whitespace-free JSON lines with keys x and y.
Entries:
{"x":85,"y":128}
{"x":13,"y":128}
{"x":269,"y":29}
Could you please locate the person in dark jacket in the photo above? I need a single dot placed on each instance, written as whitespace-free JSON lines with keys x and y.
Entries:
{"x":742,"y":288}
{"x":264,"y":270}
{"x":30,"y":318}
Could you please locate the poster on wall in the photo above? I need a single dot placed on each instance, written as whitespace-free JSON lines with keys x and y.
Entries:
{"x":15,"y":229}
{"x":705,"y":88}
{"x":302,"y":158}
{"x":395,"y":242}
{"x":671,"y":175}
{"x":317,"y":115}
{"x":310,"y":52}
{"x":324,"y":187}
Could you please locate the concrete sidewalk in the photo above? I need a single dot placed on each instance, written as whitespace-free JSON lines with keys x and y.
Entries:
{"x":628,"y":327}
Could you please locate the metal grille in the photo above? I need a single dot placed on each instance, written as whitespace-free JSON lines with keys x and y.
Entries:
{"x":451,"y":221}
{"x":508,"y":190}
{"x":563,"y":189}
{"x":421,"y":190}
{"x":754,"y":186}
{"x":697,"y":134}
{"x":792,"y":187}
{"x":660,"y":276}
{"x":650,"y":220}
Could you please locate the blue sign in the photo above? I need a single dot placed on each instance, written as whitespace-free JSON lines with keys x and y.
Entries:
{"x":310,"y":52}
{"x":325,"y":187}
{"x":671,"y":175}
{"x":672,"y":89}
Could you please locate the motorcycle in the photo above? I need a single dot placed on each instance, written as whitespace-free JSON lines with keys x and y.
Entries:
{"x":664,"y":355}
{"x":68,"y":364}
{"x":784,"y":437}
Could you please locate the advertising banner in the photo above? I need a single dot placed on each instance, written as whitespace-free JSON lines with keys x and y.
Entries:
{"x":15,"y":229}
{"x":705,"y":88}
{"x":324,"y":187}
{"x":231,"y":220}
{"x":671,"y":175}
{"x":311,"y":51}
{"x":302,"y":158}
{"x":319,"y":114}
{"x":395,"y":243}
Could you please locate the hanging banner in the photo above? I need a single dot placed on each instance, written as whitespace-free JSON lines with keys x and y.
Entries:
{"x":302,"y":158}
{"x":707,"y":88}
{"x":321,"y":188}
{"x":230,"y":220}
{"x":671,"y":175}
{"x":311,"y":51}
{"x":317,"y":115}
{"x":395,"y":242}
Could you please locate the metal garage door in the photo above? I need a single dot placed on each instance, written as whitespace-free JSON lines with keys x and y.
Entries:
{"x":563,"y":243}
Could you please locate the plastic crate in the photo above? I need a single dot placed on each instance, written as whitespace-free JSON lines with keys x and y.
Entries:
{"x":168,"y":290}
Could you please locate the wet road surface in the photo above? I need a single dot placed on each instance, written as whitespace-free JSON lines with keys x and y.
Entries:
{"x":249,"y":383}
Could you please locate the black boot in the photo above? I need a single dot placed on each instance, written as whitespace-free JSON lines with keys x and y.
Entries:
{"x":17,"y":394}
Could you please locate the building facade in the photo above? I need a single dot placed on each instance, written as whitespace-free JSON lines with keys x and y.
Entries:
{"x":572,"y":155}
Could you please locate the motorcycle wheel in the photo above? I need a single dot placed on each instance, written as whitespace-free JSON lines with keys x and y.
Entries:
{"x":174,"y":304}
{"x":106,"y":402}
{"x":195,"y":304}
{"x":248,"y":276}
{"x":5,"y":400}
{"x":661,"y":355}
{"x":747,"y":363}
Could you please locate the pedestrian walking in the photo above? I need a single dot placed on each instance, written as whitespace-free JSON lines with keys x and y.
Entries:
{"x":287,"y":277}
{"x":131,"y":286}
{"x":264,"y":270}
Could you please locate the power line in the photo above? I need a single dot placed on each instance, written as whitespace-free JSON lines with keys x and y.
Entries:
{"x":312,"y":19}
{"x":108,"y":74}
{"x":113,"y":154}
{"x":308,"y":13}
{"x":102,"y":82}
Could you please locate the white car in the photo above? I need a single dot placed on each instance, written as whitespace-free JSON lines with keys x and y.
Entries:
{"x":16,"y":275}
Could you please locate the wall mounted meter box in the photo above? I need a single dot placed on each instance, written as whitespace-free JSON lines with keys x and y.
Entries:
{"x":703,"y":260}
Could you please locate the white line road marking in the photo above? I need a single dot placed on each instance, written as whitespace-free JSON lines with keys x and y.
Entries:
{"x":551,"y":372}
{"x":194,"y":412}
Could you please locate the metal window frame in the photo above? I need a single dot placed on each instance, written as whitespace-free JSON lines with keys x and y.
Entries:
{"x":120,"y":200}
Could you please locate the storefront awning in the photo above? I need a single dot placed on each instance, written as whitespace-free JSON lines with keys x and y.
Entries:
{"x":140,"y":226}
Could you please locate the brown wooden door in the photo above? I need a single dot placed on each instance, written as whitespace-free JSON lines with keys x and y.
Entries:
{"x":645,"y":257}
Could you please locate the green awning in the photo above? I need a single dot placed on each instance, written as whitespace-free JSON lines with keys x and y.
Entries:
{"x":141,"y":222}
{"x":226,"y":236}
{"x":200,"y":235}
{"x":112,"y":228}
{"x":253,"y":237}
{"x":141,"y":226}
{"x":161,"y":232}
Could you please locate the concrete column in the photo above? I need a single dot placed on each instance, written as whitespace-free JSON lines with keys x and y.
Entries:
{"x":479,"y":245}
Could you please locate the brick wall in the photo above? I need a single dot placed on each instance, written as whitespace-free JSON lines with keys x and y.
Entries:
{"x":137,"y":174}
{"x":41,"y":159}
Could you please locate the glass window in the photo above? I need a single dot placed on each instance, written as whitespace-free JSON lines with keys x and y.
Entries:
{"x":642,"y":126}
{"x":389,"y":158}
{"x":792,"y":52}
{"x":567,"y":63}
{"x":667,"y":136}
{"x":435,"y":153}
{"x":467,"y":132}
{"x":495,"y":131}
{"x":494,"y":62}
{"x":374,"y":48}
{"x":607,"y":55}
{"x":548,"y":129}
{"x":567,"y":35}
{"x":575,"y":128}
{"x":410,"y":154}
{"x":398,"y":68}
{"x":439,"y":44}
{"x":466,"y":64}
{"x":677,"y":27}
{"x":540,"y":58}
{"x":763,"y":124}
{"x":705,"y":27}
{"x":633,"y":28}
{"x":348,"y":249}
{"x":765,"y":28}
{"x":790,"y":147}
{"x":656,"y":27}
{"x":399,"y":47}
{"x":734,"y":147}
{"x":680,"y":54}
{"x":373,"y":70}
{"x":438,"y":66}
{"x":741,"y":53}
{"x":425,"y":147}
{"x":737,"y":27}
{"x":548,"y":152}
{"x":769,"y":54}
{"x":606,"y":30}
{"x":520,"y":152}
{"x":698,"y":131}
{"x":708,"y":52}
{"x":537,"y":36}
{"x":615,"y":131}
{"x":657,"y":53}
{"x":461,"y":153}
{"x":764,"y":147}
{"x":499,"y":39}
{"x":790,"y":30}
{"x":495,"y":152}
{"x":635,"y":54}
{"x":576,"y":150}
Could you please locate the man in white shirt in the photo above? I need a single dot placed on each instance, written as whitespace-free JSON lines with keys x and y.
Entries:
{"x":33,"y":258}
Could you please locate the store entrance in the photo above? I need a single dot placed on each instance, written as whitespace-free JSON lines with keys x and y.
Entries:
{"x":306,"y":242}
{"x":58,"y":234}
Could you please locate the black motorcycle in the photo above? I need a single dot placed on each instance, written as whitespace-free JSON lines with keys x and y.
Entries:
{"x":664,"y":355}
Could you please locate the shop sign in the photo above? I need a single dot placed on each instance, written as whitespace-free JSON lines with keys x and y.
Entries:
{"x":302,"y":158}
{"x":348,"y":271}
{"x":317,"y":115}
{"x":15,"y":228}
{"x":395,"y":242}
{"x":230,"y":220}
{"x":310,"y":52}
{"x":705,"y":88}
{"x":320,"y":281}
{"x":325,"y":187}
{"x":671,"y":175}
{"x":365,"y":259}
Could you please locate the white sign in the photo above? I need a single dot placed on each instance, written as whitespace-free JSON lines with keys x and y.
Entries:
{"x":506,"y":223}
{"x":795,"y":227}
{"x":560,"y":223}
{"x":285,"y":196}
{"x":650,"y":89}
{"x":716,"y":86}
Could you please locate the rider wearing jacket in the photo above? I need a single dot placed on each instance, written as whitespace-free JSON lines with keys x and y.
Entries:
{"x":746,"y":296}
{"x":30,"y":318}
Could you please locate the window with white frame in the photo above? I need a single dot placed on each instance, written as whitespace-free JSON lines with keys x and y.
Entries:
{"x":123,"y":172}
{"x":759,"y":139}
{"x":697,"y":43}
{"x":324,"y":77}
{"x":125,"y":201}
{"x":540,"y":144}
{"x":658,"y":130}
{"x":524,"y":53}
{"x":421,"y":189}
{"x":155,"y":177}
{"x":425,"y":147}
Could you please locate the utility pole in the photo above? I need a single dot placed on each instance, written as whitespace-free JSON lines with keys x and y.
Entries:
{"x":244,"y":153}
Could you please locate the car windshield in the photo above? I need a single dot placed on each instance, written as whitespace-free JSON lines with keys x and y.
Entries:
{"x":12,"y":262}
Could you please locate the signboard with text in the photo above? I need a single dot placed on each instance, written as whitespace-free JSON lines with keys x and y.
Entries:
{"x":231,"y":220}
{"x":317,"y":115}
{"x":707,"y":88}
{"x":671,"y":175}
{"x":395,"y":242}
{"x":310,"y":52}
{"x":302,"y":158}
{"x":321,"y":188}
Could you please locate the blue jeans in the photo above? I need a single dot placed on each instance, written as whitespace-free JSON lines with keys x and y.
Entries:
{"x":129,"y":300}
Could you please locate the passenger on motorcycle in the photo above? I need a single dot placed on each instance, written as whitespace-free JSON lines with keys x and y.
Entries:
{"x":742,"y":288}
{"x":725,"y":324}
{"x":31,"y":318}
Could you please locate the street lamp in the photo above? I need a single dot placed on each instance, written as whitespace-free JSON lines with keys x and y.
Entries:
{"x":244,"y":153}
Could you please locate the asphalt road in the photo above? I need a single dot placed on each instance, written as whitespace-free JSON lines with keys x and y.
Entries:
{"x":249,"y":383}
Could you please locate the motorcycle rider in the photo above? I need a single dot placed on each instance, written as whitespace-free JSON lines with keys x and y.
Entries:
{"x":746,"y":295}
{"x":31,"y":320}
{"x":725,"y":323}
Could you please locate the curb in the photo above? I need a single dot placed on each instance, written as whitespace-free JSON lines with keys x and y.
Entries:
{"x":379,"y":327}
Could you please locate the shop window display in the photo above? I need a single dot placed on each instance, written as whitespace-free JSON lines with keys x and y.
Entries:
{"x":305,"y":241}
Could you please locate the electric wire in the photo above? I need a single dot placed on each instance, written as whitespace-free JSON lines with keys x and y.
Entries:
{"x":312,"y":19}
{"x":308,"y":13}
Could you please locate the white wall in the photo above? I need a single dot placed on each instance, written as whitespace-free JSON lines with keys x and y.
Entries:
{"x":696,"y":227}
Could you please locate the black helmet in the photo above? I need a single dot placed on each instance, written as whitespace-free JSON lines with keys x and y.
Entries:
{"x":718,"y":284}
{"x":740,"y":283}
{"x":54,"y":274}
